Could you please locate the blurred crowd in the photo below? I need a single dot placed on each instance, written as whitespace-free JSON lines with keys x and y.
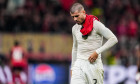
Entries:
{"x":52,"y":16}
{"x":34,"y":16}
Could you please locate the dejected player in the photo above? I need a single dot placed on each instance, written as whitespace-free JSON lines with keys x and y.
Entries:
{"x":88,"y":33}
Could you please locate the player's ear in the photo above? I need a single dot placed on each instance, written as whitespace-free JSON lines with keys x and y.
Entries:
{"x":84,"y":11}
{"x":70,"y":13}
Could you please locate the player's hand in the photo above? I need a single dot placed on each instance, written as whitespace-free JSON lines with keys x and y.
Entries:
{"x":93,"y":57}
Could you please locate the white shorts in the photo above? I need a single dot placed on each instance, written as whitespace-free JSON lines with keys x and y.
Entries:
{"x":83,"y":72}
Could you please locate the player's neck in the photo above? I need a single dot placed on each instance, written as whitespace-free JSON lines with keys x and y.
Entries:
{"x":84,"y":18}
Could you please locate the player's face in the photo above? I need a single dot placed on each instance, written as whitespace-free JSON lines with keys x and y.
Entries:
{"x":78,"y":17}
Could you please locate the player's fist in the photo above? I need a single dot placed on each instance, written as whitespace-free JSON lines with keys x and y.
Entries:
{"x":93,"y":57}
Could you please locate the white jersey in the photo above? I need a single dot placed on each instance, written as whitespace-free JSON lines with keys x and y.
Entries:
{"x":83,"y":48}
{"x":138,"y":77}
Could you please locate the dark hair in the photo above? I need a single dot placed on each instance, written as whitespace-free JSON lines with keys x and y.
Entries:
{"x":75,"y":7}
{"x":16,"y":43}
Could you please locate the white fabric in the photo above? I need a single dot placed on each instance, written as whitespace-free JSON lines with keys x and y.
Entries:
{"x":86,"y":73}
{"x":138,"y":77}
{"x":83,"y":48}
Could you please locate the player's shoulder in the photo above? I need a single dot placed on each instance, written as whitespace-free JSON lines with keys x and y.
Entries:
{"x":97,"y":25}
{"x":96,"y":22}
{"x":74,"y":28}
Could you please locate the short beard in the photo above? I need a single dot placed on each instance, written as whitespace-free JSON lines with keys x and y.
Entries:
{"x":83,"y":22}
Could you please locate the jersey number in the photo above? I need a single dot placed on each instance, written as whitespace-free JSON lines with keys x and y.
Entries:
{"x":95,"y":81}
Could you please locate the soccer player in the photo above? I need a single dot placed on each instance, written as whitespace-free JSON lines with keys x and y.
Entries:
{"x":88,"y":33}
{"x":18,"y":63}
{"x":137,"y":51}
